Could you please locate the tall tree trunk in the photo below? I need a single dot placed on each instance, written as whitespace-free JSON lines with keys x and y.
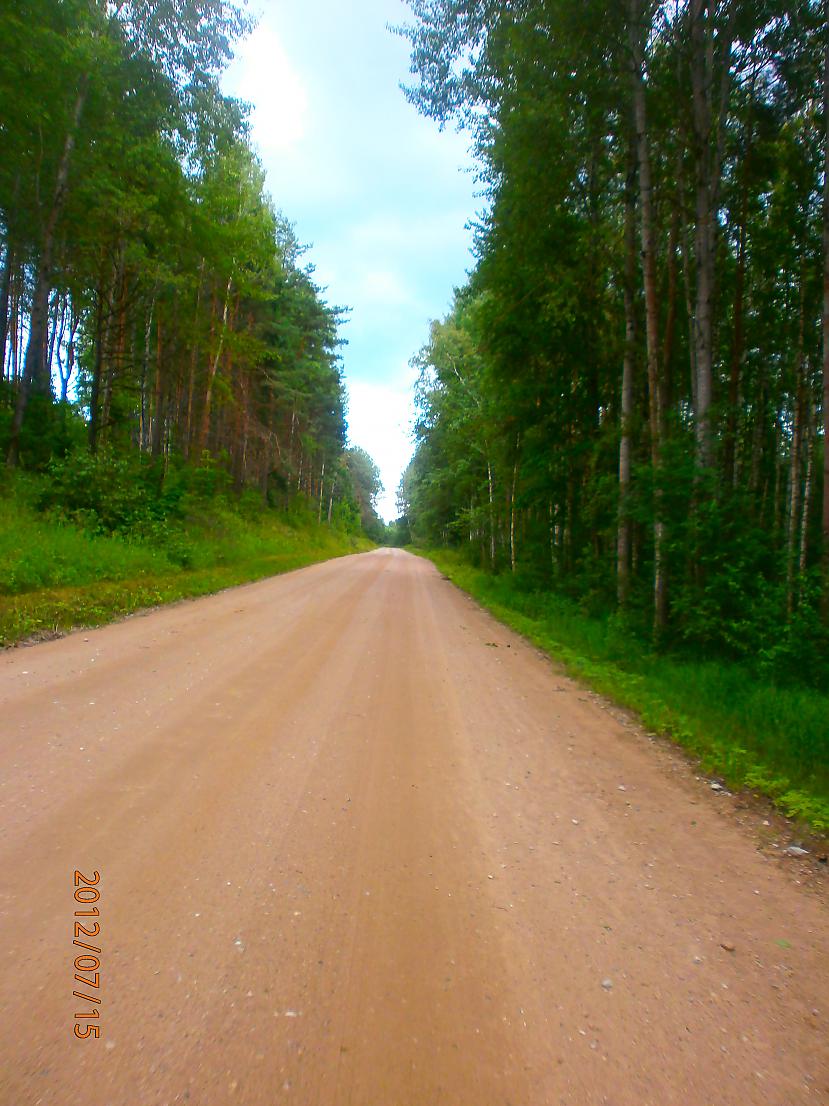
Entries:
{"x":512,"y":511}
{"x":780,"y":483}
{"x":490,"y":486}
{"x":97,"y":371}
{"x":738,"y":334}
{"x":66,"y":377}
{"x":143,"y":433}
{"x":15,"y":329}
{"x":637,"y":40}
{"x":701,"y":48}
{"x":626,"y":416}
{"x":249,"y":387}
{"x":70,"y":357}
{"x":685,"y":256}
{"x":157,"y":442}
{"x":708,"y":150}
{"x":671,"y":295}
{"x":825,"y":527}
{"x":552,"y":524}
{"x":758,"y":434}
{"x":793,"y":529}
{"x":214,"y":368}
{"x":194,"y":354}
{"x":5,"y":288}
{"x":58,"y":328}
{"x":737,"y":356}
{"x":116,"y":318}
{"x":809,"y":450}
{"x":35,"y":376}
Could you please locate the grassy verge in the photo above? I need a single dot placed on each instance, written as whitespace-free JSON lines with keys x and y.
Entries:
{"x":55,"y":576}
{"x":767,"y":739}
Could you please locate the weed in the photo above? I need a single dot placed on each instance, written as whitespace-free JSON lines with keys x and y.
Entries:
{"x":55,"y":575}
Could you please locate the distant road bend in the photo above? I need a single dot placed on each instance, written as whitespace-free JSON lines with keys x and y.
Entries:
{"x":359,"y":845}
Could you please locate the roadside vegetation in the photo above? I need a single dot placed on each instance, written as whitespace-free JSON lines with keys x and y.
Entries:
{"x":107,"y":550}
{"x":745,"y":729}
{"x":623,"y":419}
{"x":172,"y":407}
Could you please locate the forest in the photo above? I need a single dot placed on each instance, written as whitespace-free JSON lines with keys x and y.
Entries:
{"x":160,"y":334}
{"x":627,"y":404}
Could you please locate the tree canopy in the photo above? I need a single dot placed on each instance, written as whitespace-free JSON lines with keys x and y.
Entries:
{"x":629,"y":400}
{"x":151,"y":297}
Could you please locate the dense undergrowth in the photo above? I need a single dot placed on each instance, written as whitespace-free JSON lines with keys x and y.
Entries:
{"x":753,"y":733}
{"x":95,"y":538}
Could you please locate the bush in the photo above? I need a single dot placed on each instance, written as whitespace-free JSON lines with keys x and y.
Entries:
{"x":105,"y":492}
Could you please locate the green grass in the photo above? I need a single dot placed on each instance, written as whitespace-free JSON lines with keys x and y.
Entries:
{"x":55,"y":575}
{"x":768,"y":739}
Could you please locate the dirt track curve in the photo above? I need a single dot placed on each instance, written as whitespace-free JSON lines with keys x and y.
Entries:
{"x":359,"y":845}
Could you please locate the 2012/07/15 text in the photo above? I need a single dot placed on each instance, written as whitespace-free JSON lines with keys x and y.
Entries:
{"x":86,"y":964}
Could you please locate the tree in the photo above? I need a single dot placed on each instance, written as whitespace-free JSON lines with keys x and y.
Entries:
{"x":826,"y":320}
{"x":366,"y":485}
{"x":90,"y":44}
{"x":654,"y":175}
{"x":144,"y":266}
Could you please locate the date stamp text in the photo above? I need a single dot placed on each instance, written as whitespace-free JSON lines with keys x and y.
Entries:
{"x":88,"y":962}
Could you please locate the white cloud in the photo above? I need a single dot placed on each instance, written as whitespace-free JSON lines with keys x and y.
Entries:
{"x":383,"y":288}
{"x":404,"y":233}
{"x":262,"y":74}
{"x":379,"y":420}
{"x":378,"y":191}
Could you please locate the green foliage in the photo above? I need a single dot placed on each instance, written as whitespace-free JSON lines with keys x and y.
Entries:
{"x":38,"y":552}
{"x":57,"y":573}
{"x":104,"y":492}
{"x":147,"y":270}
{"x":361,"y":477}
{"x":707,"y":490}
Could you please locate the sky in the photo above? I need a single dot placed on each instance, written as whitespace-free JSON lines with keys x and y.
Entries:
{"x":381,"y":195}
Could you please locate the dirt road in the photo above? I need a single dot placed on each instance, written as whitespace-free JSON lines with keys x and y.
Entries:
{"x":360,"y":846}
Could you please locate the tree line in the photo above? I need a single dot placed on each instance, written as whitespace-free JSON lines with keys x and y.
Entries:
{"x":629,"y":400}
{"x":151,"y":297}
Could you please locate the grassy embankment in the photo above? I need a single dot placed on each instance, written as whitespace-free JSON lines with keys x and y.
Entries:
{"x":752,"y":734}
{"x":55,"y":575}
